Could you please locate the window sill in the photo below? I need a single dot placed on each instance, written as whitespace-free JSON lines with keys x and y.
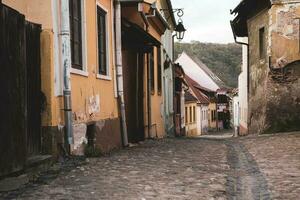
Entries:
{"x":79,"y":72}
{"x":103,"y":77}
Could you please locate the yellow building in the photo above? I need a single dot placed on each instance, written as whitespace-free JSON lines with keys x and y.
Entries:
{"x":94,"y":98}
{"x":143,"y":26}
{"x":190,"y":115}
{"x":94,"y":85}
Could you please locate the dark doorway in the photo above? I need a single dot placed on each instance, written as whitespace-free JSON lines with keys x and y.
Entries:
{"x":20,"y":85}
{"x":34,"y":93}
{"x":133,"y":68}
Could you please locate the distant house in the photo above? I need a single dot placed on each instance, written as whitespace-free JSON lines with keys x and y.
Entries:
{"x":179,"y":100}
{"x":199,"y":72}
{"x":202,"y":114}
{"x":273,"y":64}
{"x":190,"y":114}
{"x":212,"y":86}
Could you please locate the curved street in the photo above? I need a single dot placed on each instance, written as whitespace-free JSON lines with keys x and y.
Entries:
{"x":217,"y":166}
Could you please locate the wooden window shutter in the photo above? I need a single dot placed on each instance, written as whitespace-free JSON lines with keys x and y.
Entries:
{"x":76,"y":33}
{"x":102,"y":41}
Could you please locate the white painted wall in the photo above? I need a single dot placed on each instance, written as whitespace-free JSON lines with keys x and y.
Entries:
{"x":195,"y":72}
{"x":243,"y":89}
{"x":236,"y":108}
{"x":202,"y":119}
{"x":167,"y":54}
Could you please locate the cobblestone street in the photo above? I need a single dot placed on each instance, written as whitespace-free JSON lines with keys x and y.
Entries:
{"x":255,"y":167}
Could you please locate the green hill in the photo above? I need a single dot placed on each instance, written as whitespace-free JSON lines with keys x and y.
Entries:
{"x":223,"y":59}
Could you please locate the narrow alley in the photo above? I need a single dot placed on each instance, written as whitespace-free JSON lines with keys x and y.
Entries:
{"x":208,"y":167}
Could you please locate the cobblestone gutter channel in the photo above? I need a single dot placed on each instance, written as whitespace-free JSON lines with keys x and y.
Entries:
{"x":245,"y":181}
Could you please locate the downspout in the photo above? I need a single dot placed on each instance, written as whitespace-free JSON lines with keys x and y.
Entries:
{"x":119,"y":70}
{"x":66,"y":61}
{"x":248,"y":71}
{"x":149,"y":95}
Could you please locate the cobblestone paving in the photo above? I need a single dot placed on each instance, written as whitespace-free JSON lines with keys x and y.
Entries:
{"x":278,"y":158}
{"x":264,"y":167}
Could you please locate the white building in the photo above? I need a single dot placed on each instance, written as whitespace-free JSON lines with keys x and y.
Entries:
{"x":199,"y":72}
{"x":243,"y":93}
{"x":236,"y":113}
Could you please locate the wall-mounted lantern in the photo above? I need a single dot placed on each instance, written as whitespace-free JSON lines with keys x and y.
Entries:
{"x":180,"y":30}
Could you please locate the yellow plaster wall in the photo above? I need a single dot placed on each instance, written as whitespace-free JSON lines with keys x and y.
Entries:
{"x":85,"y":87}
{"x":156,"y":102}
{"x":211,"y":107}
{"x":36,"y":11}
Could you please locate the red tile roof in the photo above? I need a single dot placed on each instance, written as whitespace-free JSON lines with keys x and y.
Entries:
{"x":195,"y":87}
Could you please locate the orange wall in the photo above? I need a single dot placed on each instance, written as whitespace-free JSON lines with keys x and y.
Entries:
{"x":83,"y":87}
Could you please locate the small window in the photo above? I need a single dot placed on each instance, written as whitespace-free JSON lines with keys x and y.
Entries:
{"x":76,"y":33}
{"x":262,"y":43}
{"x":191,"y":119}
{"x":159,"y":71}
{"x":194,"y":114}
{"x":102,"y":41}
{"x":186,"y":115}
{"x":151,"y":60}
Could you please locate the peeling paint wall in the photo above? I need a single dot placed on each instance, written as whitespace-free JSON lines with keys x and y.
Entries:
{"x":258,"y":73}
{"x":274,"y":102}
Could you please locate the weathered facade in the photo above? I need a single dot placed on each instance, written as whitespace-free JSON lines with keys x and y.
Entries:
{"x":94,"y":77}
{"x":272,"y":28}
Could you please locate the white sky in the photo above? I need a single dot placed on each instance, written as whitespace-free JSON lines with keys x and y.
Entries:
{"x":207,"y":20}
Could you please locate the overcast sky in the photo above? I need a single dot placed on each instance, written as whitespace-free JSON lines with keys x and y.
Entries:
{"x":207,"y":20}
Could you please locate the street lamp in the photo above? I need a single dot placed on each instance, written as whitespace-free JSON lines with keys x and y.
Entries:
{"x":180,"y":30}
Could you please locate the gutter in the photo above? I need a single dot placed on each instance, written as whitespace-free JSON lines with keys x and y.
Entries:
{"x":248,"y":71}
{"x":119,"y":71}
{"x":66,"y":61}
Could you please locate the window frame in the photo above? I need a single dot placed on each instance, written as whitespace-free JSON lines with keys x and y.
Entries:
{"x":106,"y":76}
{"x":261,"y":43}
{"x":83,"y":71}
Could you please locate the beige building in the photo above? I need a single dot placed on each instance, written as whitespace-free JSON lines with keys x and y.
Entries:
{"x":272,"y":29}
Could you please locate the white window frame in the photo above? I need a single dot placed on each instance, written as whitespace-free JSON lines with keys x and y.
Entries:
{"x":84,"y":71}
{"x":108,"y":75}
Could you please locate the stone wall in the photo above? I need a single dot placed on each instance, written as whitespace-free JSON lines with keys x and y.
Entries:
{"x":258,"y":73}
{"x":274,"y":101}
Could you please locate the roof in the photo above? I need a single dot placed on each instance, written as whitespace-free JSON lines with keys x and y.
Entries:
{"x":202,"y":98}
{"x":171,"y":12}
{"x":188,"y":97}
{"x":200,"y":73}
{"x":135,"y":35}
{"x":245,"y":10}
{"x":214,"y":77}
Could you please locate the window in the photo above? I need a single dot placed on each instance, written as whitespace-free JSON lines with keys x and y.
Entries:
{"x":102,"y":41}
{"x":191,"y":119}
{"x":213,"y":115}
{"x":151,"y":60}
{"x":159,"y":71}
{"x":186,"y":115}
{"x":262,"y":43}
{"x":76,"y":33}
{"x":194,"y":113}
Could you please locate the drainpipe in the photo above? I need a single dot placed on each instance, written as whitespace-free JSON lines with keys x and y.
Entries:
{"x":149,"y":95}
{"x":66,"y":61}
{"x":120,"y":88}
